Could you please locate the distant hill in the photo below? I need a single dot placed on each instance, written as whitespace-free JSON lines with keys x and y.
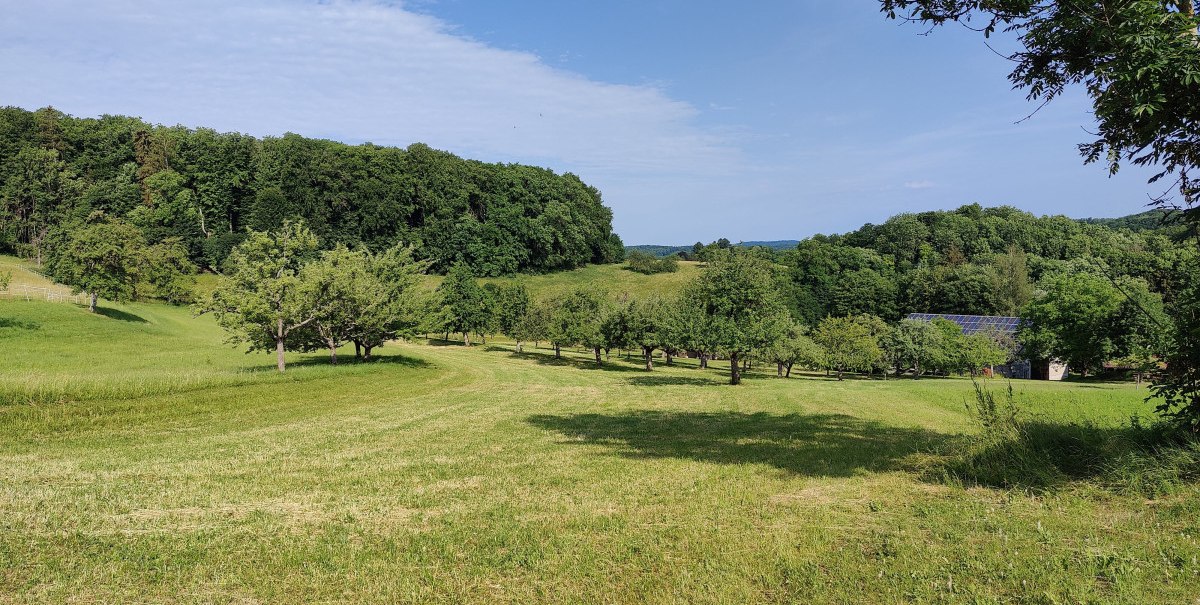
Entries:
{"x":657,"y":250}
{"x":661,"y":250}
{"x":1150,"y":220}
{"x":778,"y":244}
{"x":1143,"y":221}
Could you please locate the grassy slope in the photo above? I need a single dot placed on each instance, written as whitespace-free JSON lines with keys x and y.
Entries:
{"x":443,"y":474}
{"x":23,"y":274}
{"x":611,"y":279}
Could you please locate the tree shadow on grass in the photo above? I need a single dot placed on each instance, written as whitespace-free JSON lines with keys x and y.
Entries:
{"x":819,"y":445}
{"x":442,"y":342}
{"x":546,"y":357}
{"x":351,"y":361}
{"x":649,"y":380}
{"x":19,"y":324}
{"x":119,"y":314}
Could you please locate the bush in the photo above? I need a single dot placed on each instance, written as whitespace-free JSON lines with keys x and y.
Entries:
{"x":646,"y":264}
{"x":218,"y":247}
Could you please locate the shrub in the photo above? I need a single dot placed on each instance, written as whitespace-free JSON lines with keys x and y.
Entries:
{"x":646,"y":264}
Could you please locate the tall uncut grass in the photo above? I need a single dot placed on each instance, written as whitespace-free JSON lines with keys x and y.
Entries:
{"x":1015,"y":448}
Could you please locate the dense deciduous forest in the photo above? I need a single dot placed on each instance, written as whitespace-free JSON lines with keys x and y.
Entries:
{"x":973,"y":260}
{"x":205,"y":189}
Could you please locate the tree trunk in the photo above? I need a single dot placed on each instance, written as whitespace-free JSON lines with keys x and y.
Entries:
{"x":735,"y":373}
{"x":839,"y":373}
{"x":92,"y":305}
{"x":670,"y":357}
{"x":648,"y":353}
{"x":357,"y":350}
{"x":446,"y":338}
{"x":557,"y":351}
{"x":518,"y":347}
{"x":703,"y":361}
{"x":789,"y":371}
{"x":598,"y":361}
{"x":466,"y":339}
{"x":332,"y":352}
{"x":779,"y":369}
{"x":279,"y":345}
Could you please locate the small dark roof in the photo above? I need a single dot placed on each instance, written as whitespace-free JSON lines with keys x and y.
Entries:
{"x":974,"y":323}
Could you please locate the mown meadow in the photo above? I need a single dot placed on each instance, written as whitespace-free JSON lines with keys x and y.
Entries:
{"x":144,"y":460}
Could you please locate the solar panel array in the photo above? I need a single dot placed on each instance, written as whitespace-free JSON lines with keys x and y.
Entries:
{"x":975,"y":323}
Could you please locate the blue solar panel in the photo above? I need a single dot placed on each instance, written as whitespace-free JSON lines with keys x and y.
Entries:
{"x":974,"y":323}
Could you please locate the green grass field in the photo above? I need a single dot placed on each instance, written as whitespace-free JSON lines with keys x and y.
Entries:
{"x":143,"y":460}
{"x":27,"y":282}
{"x":612,"y":280}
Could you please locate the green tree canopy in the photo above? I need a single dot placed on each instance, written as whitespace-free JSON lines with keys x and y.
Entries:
{"x":466,"y":302}
{"x":1086,"y":319}
{"x":741,"y":305}
{"x":205,"y":188}
{"x":364,"y":298}
{"x":510,"y":305}
{"x":262,"y":300}
{"x":793,"y":346}
{"x":575,"y":319}
{"x":104,"y":257}
{"x":1179,"y":390}
{"x":848,"y":344}
{"x":648,"y":326}
{"x":912,"y":344}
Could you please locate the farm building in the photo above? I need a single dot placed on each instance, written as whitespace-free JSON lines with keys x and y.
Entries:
{"x":1005,"y":326}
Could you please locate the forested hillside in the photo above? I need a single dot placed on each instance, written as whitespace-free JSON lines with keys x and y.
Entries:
{"x":206,"y":188}
{"x":971,"y":260}
{"x":1150,"y":220}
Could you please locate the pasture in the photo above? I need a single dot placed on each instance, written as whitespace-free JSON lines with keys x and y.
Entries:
{"x":612,"y":279}
{"x":143,"y":460}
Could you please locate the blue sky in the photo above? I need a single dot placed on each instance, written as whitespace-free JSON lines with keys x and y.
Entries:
{"x":696,"y":119}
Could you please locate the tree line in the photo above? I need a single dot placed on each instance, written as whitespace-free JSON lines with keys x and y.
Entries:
{"x":281,"y":290}
{"x":971,"y":261}
{"x":732,"y":312}
{"x":1089,"y":295}
{"x":1079,"y":311}
{"x":203,"y":191}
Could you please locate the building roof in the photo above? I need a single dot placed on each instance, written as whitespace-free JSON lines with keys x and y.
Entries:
{"x":974,"y":323}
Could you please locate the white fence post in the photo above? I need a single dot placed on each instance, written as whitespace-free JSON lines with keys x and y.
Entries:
{"x":29,"y":292}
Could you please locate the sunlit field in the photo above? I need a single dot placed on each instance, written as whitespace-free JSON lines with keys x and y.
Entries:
{"x":143,"y":460}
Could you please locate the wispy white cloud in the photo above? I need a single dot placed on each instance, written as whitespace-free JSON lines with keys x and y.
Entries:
{"x":919,"y":185}
{"x":349,"y":70}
